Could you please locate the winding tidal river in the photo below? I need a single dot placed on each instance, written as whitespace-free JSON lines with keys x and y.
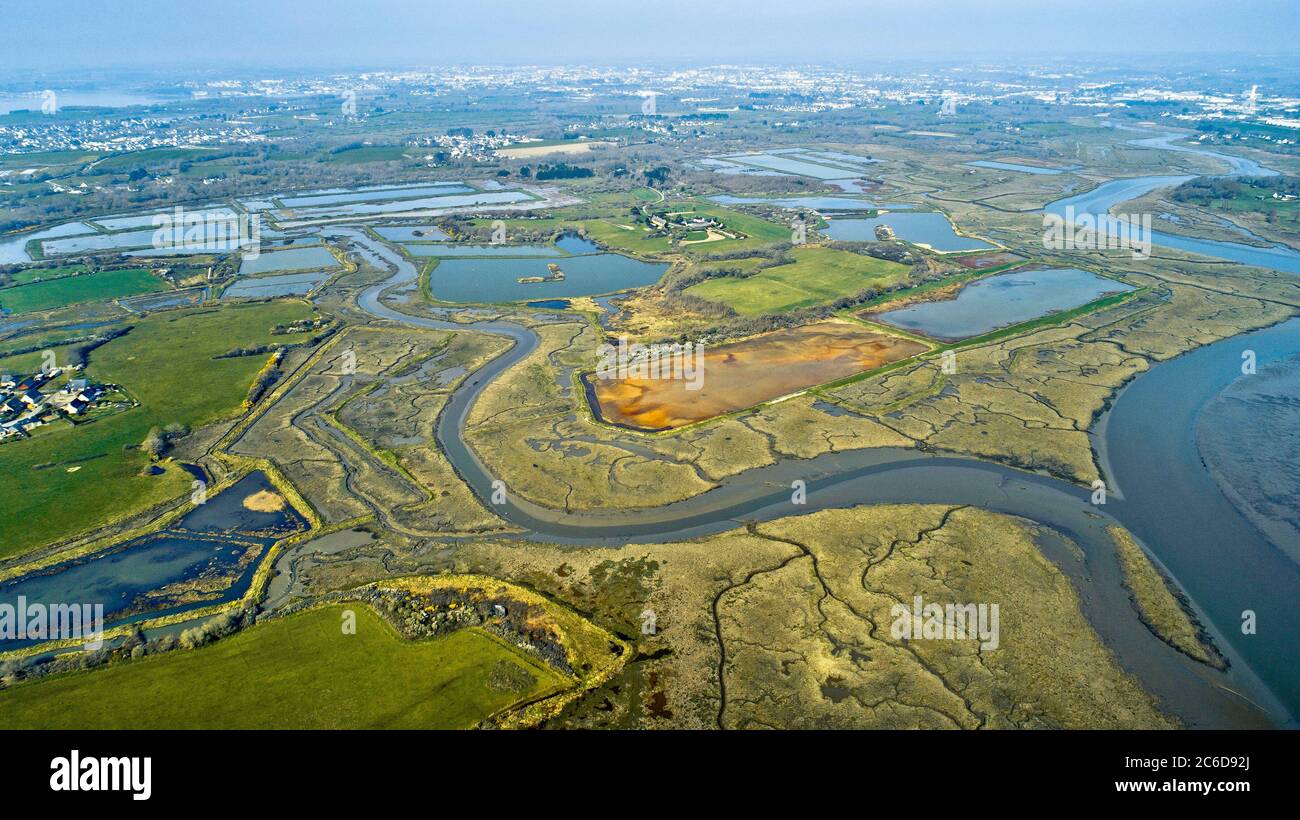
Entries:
{"x":1163,"y":494}
{"x":1161,"y":491}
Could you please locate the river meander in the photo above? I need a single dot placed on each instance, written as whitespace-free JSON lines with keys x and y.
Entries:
{"x":1165,"y":497}
{"x":1162,"y":493}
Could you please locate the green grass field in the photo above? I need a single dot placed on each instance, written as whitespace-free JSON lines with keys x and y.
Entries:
{"x":155,"y":156}
{"x":24,"y":277}
{"x":71,"y":290}
{"x":295,"y":672}
{"x":372,"y":153}
{"x":65,"y":480}
{"x":622,"y":234}
{"x":746,"y":264}
{"x":816,"y":277}
{"x":47,"y":158}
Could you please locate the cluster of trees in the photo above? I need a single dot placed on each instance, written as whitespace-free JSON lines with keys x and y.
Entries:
{"x":80,"y":352}
{"x":266,"y":377}
{"x":463,"y":229}
{"x":443,"y":610}
{"x":160,"y":439}
{"x":347,"y":146}
{"x":657,"y":175}
{"x":133,"y":646}
{"x":227,"y":623}
{"x":1202,"y":190}
{"x":773,"y":256}
{"x":562,"y":170}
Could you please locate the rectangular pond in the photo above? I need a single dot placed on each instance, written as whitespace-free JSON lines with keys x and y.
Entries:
{"x":293,"y":259}
{"x":790,"y":165}
{"x":718,"y":166}
{"x":496,"y":279}
{"x":482,"y":250}
{"x":120,"y":223}
{"x":262,"y":287}
{"x":254,"y":205}
{"x":178,"y":251}
{"x":422,"y":204}
{"x":405,"y":192}
{"x":13,"y":248}
{"x":412,"y":233}
{"x":927,"y":229}
{"x":98,"y":242}
{"x":813,"y":203}
{"x":1013,"y":166}
{"x":1002,"y":300}
{"x":837,"y":157}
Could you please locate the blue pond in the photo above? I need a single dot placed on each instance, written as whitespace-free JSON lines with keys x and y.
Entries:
{"x":928,"y":229}
{"x":221,"y":539}
{"x":495,"y":279}
{"x":1001,"y":301}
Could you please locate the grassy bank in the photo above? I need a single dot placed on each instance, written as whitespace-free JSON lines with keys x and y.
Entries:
{"x":310,"y":675}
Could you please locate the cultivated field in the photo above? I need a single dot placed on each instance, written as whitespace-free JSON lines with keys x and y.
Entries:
{"x":816,"y":277}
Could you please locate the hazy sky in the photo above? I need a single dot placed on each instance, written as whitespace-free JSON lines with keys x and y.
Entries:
{"x":65,"y":34}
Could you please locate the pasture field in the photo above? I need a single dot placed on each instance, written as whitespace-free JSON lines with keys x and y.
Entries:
{"x":817,"y":276}
{"x":74,"y":157}
{"x":307,"y":674}
{"x":65,"y":479}
{"x":71,"y":290}
{"x":623,"y":234}
{"x":156,"y":156}
{"x":36,"y":341}
{"x":371,"y":153}
{"x":744,"y":264}
{"x":29,"y":275}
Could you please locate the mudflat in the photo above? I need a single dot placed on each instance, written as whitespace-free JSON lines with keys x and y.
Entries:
{"x":749,"y":372}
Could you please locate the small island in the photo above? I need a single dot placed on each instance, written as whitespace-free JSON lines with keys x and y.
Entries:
{"x":555,"y":275}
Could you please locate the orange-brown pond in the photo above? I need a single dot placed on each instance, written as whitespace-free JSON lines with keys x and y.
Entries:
{"x":742,"y":374}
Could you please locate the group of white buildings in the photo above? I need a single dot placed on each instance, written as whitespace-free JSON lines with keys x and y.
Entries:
{"x":27,"y":401}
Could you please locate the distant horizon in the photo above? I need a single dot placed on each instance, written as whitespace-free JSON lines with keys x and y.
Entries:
{"x":359,"y":35}
{"x":181,"y":72}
